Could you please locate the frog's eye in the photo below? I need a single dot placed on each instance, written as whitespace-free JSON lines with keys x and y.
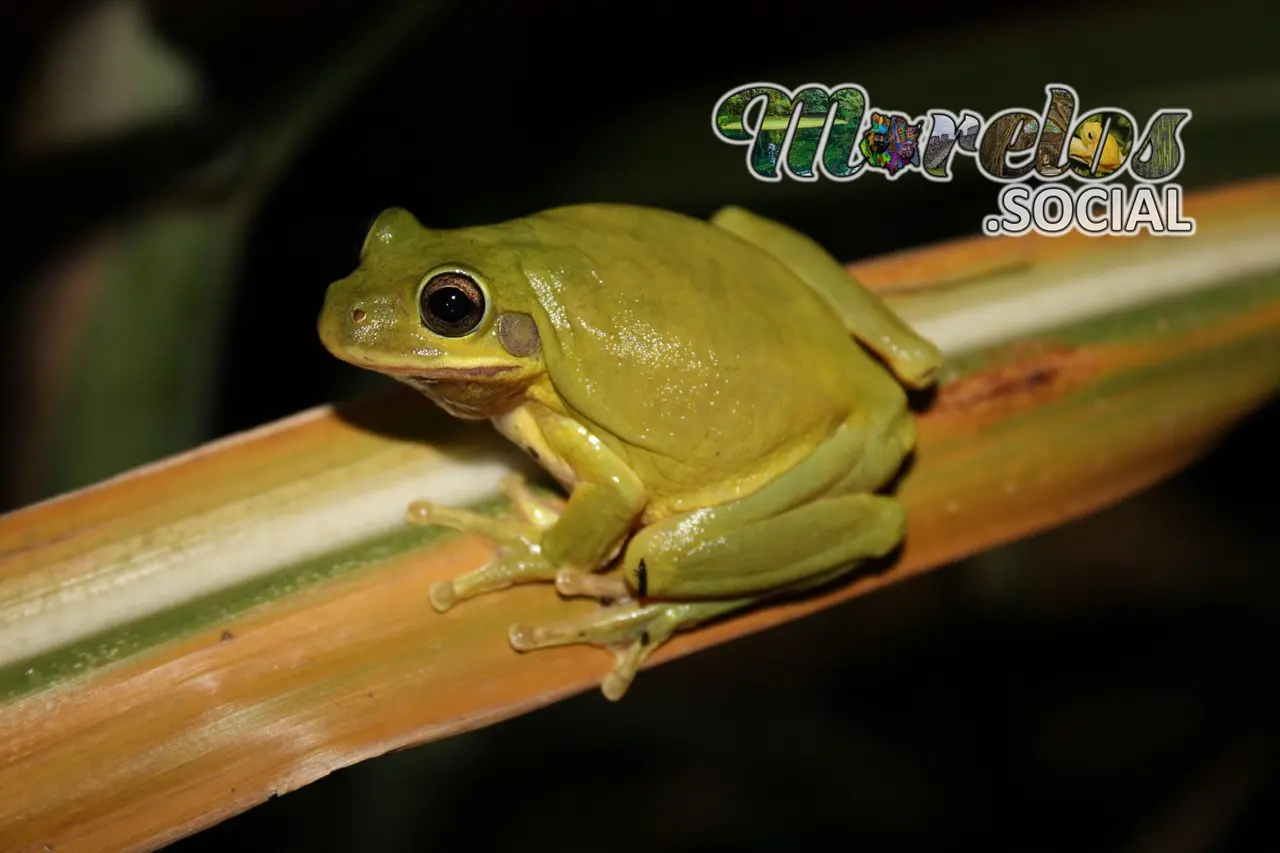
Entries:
{"x":451,"y":304}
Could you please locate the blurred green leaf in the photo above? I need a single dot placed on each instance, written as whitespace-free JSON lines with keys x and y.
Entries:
{"x":104,"y":71}
{"x":140,"y":379}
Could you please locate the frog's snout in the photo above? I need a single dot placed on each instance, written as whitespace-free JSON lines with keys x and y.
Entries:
{"x":340,"y":321}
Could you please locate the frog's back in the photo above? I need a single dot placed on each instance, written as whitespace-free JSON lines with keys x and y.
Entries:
{"x":702,"y":356}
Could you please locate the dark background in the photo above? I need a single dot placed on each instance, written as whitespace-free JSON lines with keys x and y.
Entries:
{"x":1106,"y":686}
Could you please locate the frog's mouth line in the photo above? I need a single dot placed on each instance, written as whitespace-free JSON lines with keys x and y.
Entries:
{"x":430,"y":374}
{"x":419,"y":378}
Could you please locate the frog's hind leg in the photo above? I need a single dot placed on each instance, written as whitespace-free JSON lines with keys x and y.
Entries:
{"x":810,"y":546}
{"x":914,"y":359}
{"x":809,"y":526}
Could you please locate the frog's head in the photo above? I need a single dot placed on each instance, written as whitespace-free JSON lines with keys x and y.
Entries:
{"x":447,"y":312}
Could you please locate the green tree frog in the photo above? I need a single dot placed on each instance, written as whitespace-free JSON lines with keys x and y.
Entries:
{"x":699,"y":388}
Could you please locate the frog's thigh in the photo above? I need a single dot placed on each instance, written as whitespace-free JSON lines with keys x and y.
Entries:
{"x":810,"y":519}
{"x":912,"y":357}
{"x":696,"y":556}
{"x":889,"y":441}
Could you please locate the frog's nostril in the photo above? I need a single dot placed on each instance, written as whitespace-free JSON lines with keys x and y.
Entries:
{"x":357,"y":316}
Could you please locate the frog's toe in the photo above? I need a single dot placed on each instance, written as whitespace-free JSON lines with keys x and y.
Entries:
{"x":504,"y":531}
{"x":576,"y":583}
{"x":426,"y":514}
{"x":443,"y":595}
{"x":502,"y":573}
{"x":631,"y":630}
{"x":629,"y":659}
{"x":610,"y":626}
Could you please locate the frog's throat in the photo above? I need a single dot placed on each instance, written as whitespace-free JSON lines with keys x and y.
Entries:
{"x":467,"y":393}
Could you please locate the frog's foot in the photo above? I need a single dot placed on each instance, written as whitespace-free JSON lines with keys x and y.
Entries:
{"x":536,"y":513}
{"x":520,"y":558}
{"x":632,"y":631}
{"x":516,"y":567}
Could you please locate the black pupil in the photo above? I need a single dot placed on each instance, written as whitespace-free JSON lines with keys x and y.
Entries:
{"x":450,"y":304}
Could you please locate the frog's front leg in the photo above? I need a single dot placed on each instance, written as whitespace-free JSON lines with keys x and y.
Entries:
{"x":517,"y":540}
{"x":808,"y":527}
{"x":546,"y":545}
